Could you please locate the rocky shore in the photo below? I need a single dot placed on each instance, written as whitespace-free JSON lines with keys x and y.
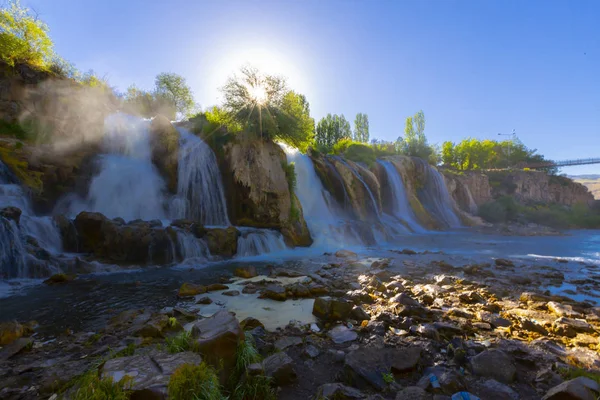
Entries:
{"x":403,"y":326}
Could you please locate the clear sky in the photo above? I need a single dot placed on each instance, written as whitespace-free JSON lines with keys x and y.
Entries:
{"x":476,"y":68}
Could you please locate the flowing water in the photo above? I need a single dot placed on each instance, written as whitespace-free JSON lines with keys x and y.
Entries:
{"x":254,"y":242}
{"x":435,"y":196}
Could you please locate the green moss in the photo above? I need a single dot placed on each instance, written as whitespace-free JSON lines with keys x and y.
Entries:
{"x":92,"y":339}
{"x":126,"y":352}
{"x":197,"y":382}
{"x":19,"y":167}
{"x":572,"y":373}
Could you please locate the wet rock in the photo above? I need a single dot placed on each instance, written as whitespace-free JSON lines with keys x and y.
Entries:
{"x":59,"y":278}
{"x":287,"y":341}
{"x":299,"y":290}
{"x":503,"y":262}
{"x":365,"y":367}
{"x":331,"y":309}
{"x":190,"y":289}
{"x":520,"y":279}
{"x":413,"y":393}
{"x":204,"y":300}
{"x":341,"y":334}
{"x":345,"y":254}
{"x":311,"y":351}
{"x":217,"y":339}
{"x":250,"y":323}
{"x":10,"y":331}
{"x":222,"y":241}
{"x":215,"y":287}
{"x":338,"y":391}
{"x":493,"y":390}
{"x":280,"y":367}
{"x":246,"y":272}
{"x":578,"y":325}
{"x":408,"y":252}
{"x":231,"y":293}
{"x":15,"y":347}
{"x":11,"y":213}
{"x":494,"y":364}
{"x":576,"y":389}
{"x":149,"y":374}
{"x":274,"y":292}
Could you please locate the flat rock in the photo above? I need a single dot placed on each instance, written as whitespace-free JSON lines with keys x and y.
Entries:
{"x":280,"y":367}
{"x":287,"y":341}
{"x":413,"y":393}
{"x":190,"y":289}
{"x":274,"y":292}
{"x":579,"y":325}
{"x":576,"y":389}
{"x":563,"y":310}
{"x":365,"y":367}
{"x":494,"y":364}
{"x":338,"y":391}
{"x":14,"y":348}
{"x":341,"y":334}
{"x":494,"y":320}
{"x":231,"y":293}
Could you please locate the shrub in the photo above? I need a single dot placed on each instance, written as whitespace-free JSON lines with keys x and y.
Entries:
{"x":290,"y":174}
{"x":245,"y":355}
{"x":91,"y":387}
{"x":198,"y":382}
{"x":181,"y":342}
{"x":503,"y":209}
{"x":254,"y":388}
{"x":362,"y":153}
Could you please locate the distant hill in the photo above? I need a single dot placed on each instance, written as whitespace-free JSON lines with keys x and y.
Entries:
{"x":592,"y":182}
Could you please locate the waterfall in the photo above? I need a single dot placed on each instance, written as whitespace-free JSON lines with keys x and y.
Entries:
{"x":254,"y":242}
{"x":435,"y":196}
{"x":200,"y":196}
{"x":191,"y":247}
{"x":472,"y":205}
{"x":12,"y":251}
{"x":356,"y":174}
{"x":128,"y":184}
{"x":401,"y":206}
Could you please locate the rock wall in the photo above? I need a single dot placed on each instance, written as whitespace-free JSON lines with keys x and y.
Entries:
{"x":257,"y":190}
{"x":469,"y":189}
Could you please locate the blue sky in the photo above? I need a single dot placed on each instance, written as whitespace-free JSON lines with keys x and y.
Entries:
{"x":476,"y":68}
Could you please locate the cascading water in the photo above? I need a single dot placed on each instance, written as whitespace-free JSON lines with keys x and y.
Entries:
{"x":401,"y":206}
{"x":254,"y":242}
{"x":200,"y":196}
{"x":12,"y":251}
{"x":374,"y":206}
{"x":435,"y":196}
{"x":128,"y":184}
{"x":191,"y":247}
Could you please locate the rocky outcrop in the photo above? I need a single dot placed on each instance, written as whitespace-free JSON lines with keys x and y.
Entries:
{"x":222,"y":241}
{"x":258,"y":192}
{"x":164,"y":140}
{"x":469,"y":189}
{"x":357,"y":193}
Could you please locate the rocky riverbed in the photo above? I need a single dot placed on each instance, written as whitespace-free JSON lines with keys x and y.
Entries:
{"x":404,"y":325}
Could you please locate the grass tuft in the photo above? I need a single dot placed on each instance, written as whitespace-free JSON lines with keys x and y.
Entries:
{"x":181,"y":342}
{"x":195,"y":382}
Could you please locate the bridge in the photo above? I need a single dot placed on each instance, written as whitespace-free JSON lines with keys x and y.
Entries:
{"x":564,"y":163}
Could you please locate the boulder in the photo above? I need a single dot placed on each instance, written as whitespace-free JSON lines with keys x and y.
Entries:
{"x":10,"y":331}
{"x":578,"y":325}
{"x":190,"y":289}
{"x":11,"y":213}
{"x":68,"y":233}
{"x":494,"y":364}
{"x":149,"y":374}
{"x":491,"y":389}
{"x":280,"y":367}
{"x":250,"y":323}
{"x":366,"y":366}
{"x":345,"y":254}
{"x":15,"y":348}
{"x":222,"y":241}
{"x":274,"y":292}
{"x":581,"y":388}
{"x":215,"y":287}
{"x":217,"y":339}
{"x":331,"y":309}
{"x":413,"y":393}
{"x":246,"y":272}
{"x":338,"y":391}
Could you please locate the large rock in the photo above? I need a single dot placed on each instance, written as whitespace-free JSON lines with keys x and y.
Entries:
{"x":164,"y":142}
{"x":366,"y":366}
{"x":222,"y":242}
{"x":494,"y":364}
{"x":332,"y":309}
{"x":258,"y":191}
{"x":11,"y":213}
{"x":68,"y":233}
{"x":190,"y":289}
{"x":15,"y":348}
{"x":149,"y":374}
{"x":280,"y":367}
{"x":10,"y":331}
{"x":217,"y":339}
{"x":576,"y":389}
{"x":491,"y":389}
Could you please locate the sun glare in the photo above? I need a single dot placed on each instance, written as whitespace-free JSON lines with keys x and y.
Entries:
{"x":258,"y":94}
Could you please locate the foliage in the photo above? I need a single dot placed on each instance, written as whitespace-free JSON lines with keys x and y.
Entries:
{"x":198,"y":382}
{"x":572,"y":373}
{"x":414,"y":143}
{"x":361,"y":128}
{"x":15,"y":130}
{"x":91,"y":387}
{"x":290,"y":174}
{"x":180,"y":342}
{"x":173,"y":89}
{"x":129,"y":350}
{"x":389,"y":378}
{"x":362,"y":153}
{"x":504,"y":209}
{"x":474,"y":154}
{"x":245,"y":355}
{"x":254,"y":388}
{"x":332,"y":129}
{"x":264,"y":107}
{"x":24,"y":38}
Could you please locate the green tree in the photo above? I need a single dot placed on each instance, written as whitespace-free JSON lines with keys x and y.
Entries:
{"x":24,"y":38}
{"x":332,"y":129}
{"x":173,"y":89}
{"x":361,"y":128}
{"x":415,"y":142}
{"x":295,"y":119}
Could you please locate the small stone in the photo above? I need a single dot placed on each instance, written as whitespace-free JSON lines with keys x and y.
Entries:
{"x":216,"y":286}
{"x":341,"y":334}
{"x":581,"y":388}
{"x":579,"y":325}
{"x":338,"y":391}
{"x":231,"y":293}
{"x":413,"y":393}
{"x":405,"y":299}
{"x":274,"y":292}
{"x":204,"y":300}
{"x":255,"y":369}
{"x":494,"y":364}
{"x":408,"y":252}
{"x":310,"y":351}
{"x":287,"y":341}
{"x":279,"y":366}
{"x":250,"y":323}
{"x":532,"y":326}
{"x":345,"y":254}
{"x":359,"y":314}
{"x":246,"y":272}
{"x":503,"y":262}
{"x":190,"y":289}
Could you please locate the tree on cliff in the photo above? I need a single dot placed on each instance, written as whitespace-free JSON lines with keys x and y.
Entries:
{"x":332,"y":129}
{"x":414,"y":143}
{"x":361,"y":128}
{"x":172,"y":89}
{"x":266,"y":108}
{"x":24,"y":38}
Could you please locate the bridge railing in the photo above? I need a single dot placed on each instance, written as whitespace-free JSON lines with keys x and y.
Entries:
{"x":564,"y":163}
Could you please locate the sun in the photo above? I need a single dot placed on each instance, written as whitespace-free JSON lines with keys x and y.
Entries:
{"x":258,"y":94}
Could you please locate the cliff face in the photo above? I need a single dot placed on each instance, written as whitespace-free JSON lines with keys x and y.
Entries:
{"x":258,"y":192}
{"x":469,"y":190}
